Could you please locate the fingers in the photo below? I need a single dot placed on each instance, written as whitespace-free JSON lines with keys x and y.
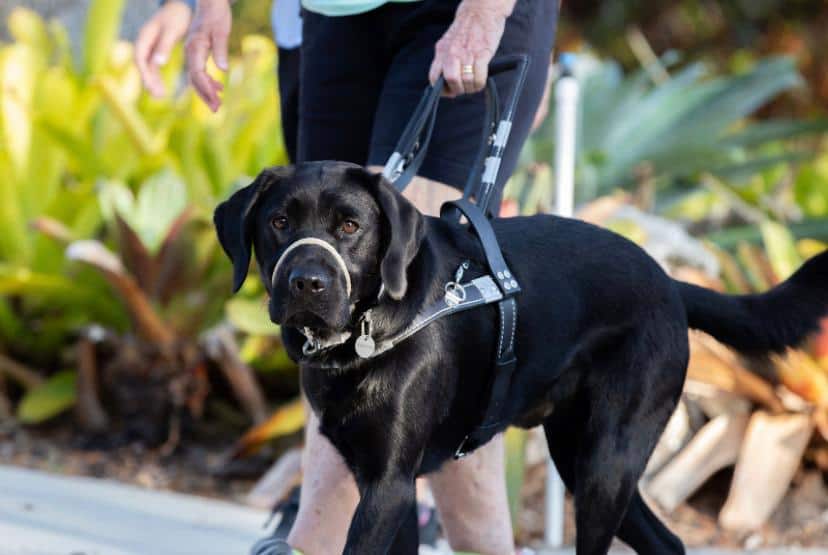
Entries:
{"x":145,"y":46}
{"x":465,"y":78}
{"x":435,"y":70}
{"x":219,"y":38}
{"x":208,"y":34}
{"x":464,"y":73}
{"x":481,"y":73}
{"x":453,"y":76}
{"x":198,"y":48}
{"x":163,"y":47}
{"x":467,"y":73}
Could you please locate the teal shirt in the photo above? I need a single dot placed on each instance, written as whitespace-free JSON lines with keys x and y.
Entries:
{"x":344,"y":7}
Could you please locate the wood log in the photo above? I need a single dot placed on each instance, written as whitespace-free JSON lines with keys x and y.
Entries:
{"x":220,"y":346}
{"x":714,"y":447}
{"x":676,"y":435}
{"x":91,"y":415}
{"x":20,"y":373}
{"x":277,"y":482}
{"x":713,"y":401}
{"x":712,"y":362}
{"x":770,"y":456}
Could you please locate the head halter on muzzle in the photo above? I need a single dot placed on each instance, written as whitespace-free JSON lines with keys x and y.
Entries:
{"x":319,"y":243}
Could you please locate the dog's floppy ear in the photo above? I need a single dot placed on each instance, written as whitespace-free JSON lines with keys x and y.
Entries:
{"x":404,"y":231}
{"x":234,"y":221}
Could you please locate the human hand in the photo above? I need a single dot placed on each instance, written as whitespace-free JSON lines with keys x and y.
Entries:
{"x":155,"y":41}
{"x":208,"y":35}
{"x":463,"y":53}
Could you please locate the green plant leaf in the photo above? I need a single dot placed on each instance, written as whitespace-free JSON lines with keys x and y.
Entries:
{"x":811,"y":189}
{"x":728,"y":238}
{"x":115,"y":197}
{"x":48,"y":400}
{"x":759,"y":133}
{"x":102,"y":23}
{"x":250,"y":316}
{"x":26,"y":26}
{"x":781,"y":249}
{"x":161,"y":200}
{"x":515,"y":440}
{"x":674,"y":129}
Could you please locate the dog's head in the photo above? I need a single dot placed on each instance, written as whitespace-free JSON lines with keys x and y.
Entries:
{"x":326,"y":236}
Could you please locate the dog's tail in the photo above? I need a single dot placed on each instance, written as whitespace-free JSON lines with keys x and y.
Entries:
{"x":771,"y":321}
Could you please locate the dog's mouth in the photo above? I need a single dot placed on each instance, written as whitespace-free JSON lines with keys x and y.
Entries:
{"x":322,"y":322}
{"x":308,"y":320}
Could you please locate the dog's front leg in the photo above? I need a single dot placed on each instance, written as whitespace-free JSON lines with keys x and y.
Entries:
{"x":383,"y":508}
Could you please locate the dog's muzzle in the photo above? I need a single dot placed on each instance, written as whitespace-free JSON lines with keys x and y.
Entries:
{"x":313,"y":241}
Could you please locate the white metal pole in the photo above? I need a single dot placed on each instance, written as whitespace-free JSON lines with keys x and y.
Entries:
{"x":566,"y":126}
{"x":566,"y":132}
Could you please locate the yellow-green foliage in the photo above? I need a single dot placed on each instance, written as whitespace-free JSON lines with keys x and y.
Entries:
{"x":69,"y":124}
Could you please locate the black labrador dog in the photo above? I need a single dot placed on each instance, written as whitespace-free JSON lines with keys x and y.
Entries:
{"x":601,"y":342}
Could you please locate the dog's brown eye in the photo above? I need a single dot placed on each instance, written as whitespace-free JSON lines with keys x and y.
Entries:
{"x":349,"y":227}
{"x":279,"y":222}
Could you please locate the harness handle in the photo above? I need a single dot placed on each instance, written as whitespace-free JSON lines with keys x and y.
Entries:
{"x":411,"y":149}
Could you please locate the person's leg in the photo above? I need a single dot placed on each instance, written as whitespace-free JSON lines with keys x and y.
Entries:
{"x":472,"y":504}
{"x":340,"y":79}
{"x":328,"y":499}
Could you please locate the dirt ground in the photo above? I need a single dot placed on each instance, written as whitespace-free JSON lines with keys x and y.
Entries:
{"x":801,"y":520}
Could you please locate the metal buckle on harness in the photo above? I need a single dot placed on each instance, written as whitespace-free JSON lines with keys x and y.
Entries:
{"x":394,"y":167}
{"x":461,"y":452}
{"x":312,"y":345}
{"x":456,"y":291}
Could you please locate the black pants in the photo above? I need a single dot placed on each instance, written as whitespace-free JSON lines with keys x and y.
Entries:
{"x":288,"y":71}
{"x":362,"y":75}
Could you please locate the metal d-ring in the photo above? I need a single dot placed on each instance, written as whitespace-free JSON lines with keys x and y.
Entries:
{"x":455,"y":293}
{"x":312,"y":344}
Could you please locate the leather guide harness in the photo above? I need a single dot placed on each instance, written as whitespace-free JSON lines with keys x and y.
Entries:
{"x":499,"y":286}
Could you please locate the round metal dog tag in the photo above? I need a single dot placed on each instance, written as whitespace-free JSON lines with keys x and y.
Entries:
{"x":365,"y":346}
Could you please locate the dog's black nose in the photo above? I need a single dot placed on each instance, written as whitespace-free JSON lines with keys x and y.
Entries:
{"x":307,"y":281}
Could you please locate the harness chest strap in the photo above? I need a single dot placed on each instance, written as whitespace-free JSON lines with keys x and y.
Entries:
{"x":505,"y":365}
{"x":478,"y":292}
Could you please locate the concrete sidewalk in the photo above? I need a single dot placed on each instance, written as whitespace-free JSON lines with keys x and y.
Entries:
{"x":43,"y":514}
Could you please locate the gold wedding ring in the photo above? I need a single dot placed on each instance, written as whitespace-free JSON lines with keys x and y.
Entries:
{"x":468,"y":69}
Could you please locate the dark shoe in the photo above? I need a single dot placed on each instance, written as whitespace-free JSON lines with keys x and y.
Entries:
{"x":288,"y":509}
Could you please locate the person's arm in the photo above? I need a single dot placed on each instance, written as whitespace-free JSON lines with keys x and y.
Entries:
{"x":209,"y":34}
{"x":463,"y":54}
{"x":157,"y":38}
